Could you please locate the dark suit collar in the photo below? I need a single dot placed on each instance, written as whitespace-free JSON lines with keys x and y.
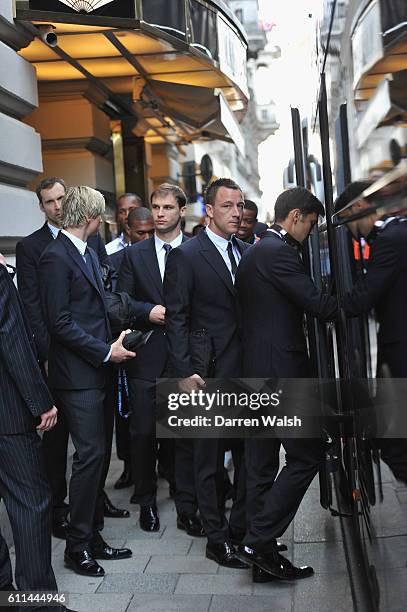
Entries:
{"x":149,"y":255}
{"x":214,"y":258}
{"x":77,"y":257}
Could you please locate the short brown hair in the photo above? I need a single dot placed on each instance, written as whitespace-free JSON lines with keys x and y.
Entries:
{"x":48,"y":183}
{"x":213,"y":188}
{"x":168,"y":189}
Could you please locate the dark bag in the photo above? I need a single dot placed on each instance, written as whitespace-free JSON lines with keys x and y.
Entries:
{"x":120,"y":311}
{"x":202,"y":353}
{"x":134,"y":340}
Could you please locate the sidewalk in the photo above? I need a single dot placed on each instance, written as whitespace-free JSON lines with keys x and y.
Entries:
{"x":169,"y":571}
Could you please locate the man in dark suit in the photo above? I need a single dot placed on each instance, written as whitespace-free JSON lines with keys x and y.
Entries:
{"x":141,"y":276}
{"x":274,"y":292}
{"x":200,"y":294}
{"x":50,"y":193}
{"x":75,"y":311}
{"x":384,"y":288}
{"x":25,"y":405}
{"x":140,"y":227}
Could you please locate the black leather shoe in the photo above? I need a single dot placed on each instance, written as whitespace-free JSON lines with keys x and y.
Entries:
{"x":59,"y":527}
{"x":149,"y":519}
{"x":224,"y":554}
{"x":125,"y":480}
{"x":190,"y":523}
{"x":83,"y":563}
{"x":104,"y":551}
{"x":261,"y":576}
{"x":112,"y":511}
{"x":275,"y":564}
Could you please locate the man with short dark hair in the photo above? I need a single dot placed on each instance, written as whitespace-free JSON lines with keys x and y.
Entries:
{"x":141,"y":227}
{"x":248,"y":222}
{"x":141,"y":276}
{"x":50,"y":192}
{"x":200,"y":295}
{"x":75,"y":311}
{"x":125,"y":204}
{"x":274,"y":292}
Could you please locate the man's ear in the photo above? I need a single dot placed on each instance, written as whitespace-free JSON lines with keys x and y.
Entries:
{"x":209,"y":210}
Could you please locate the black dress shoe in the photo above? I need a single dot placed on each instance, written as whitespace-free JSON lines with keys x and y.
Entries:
{"x":59,"y":527}
{"x":149,"y":519}
{"x":83,"y":563}
{"x":224,"y":554}
{"x":190,"y":523}
{"x":275,"y":564}
{"x":125,"y":480}
{"x":261,"y":576}
{"x":112,"y":511}
{"x":103,"y":551}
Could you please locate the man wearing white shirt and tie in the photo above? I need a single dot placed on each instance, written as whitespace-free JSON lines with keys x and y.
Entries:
{"x":141,"y":276}
{"x":200,"y":295}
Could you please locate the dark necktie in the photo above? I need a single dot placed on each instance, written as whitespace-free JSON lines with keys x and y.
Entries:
{"x":167,"y":248}
{"x":88,"y":259}
{"x":232,"y":258}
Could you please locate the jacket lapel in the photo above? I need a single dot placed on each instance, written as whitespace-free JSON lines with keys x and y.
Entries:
{"x":80,"y":262}
{"x":149,"y":256}
{"x":214,"y":258}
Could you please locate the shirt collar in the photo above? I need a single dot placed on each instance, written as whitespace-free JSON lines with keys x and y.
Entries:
{"x":160,"y":243}
{"x":218,"y":241}
{"x":80,"y":244}
{"x":54,"y":230}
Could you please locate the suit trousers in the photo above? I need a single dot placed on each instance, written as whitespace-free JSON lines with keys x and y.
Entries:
{"x":27,"y":497}
{"x":303,"y":460}
{"x":144,"y":445}
{"x":55,"y":449}
{"x":262,"y":464}
{"x":209,"y":457}
{"x":85,"y":414}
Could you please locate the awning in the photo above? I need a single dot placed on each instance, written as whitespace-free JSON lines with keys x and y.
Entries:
{"x":121,"y":56}
{"x":198,"y":113}
{"x":388,"y":106}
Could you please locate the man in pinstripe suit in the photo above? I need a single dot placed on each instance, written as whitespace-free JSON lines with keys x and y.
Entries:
{"x":25,"y":405}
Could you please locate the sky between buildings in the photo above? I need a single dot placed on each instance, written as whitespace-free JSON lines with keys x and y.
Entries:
{"x":291,"y":80}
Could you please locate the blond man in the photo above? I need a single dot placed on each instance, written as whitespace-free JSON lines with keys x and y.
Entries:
{"x":75,"y":313}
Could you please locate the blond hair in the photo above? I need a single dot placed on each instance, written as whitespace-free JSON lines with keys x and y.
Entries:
{"x":79,"y":204}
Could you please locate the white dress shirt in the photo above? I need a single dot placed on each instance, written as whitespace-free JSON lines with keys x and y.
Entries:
{"x":222,"y":246}
{"x":54,"y":230}
{"x":159,"y":249}
{"x":117,"y":244}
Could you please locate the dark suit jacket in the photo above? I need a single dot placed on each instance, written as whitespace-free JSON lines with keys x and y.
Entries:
{"x":23,"y":394}
{"x":75,"y":312}
{"x":139,"y":276}
{"x":384,"y":287}
{"x":274,"y":292}
{"x":199,"y":294}
{"x":28,"y":253}
{"x":115,"y":261}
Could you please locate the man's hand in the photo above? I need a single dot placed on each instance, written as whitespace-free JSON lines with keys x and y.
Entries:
{"x":45,"y":366}
{"x":48,"y":419}
{"x":119,"y":353}
{"x":192,"y":383}
{"x":157,"y":315}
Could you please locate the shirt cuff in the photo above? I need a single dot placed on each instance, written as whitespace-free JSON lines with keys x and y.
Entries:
{"x":107,"y":356}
